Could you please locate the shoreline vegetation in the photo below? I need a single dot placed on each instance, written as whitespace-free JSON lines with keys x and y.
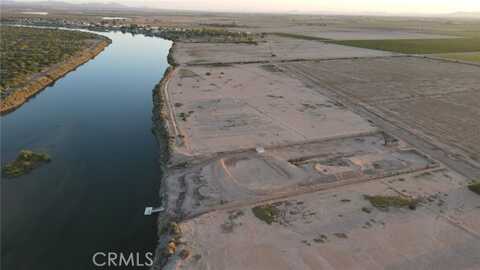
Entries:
{"x":17,"y":94}
{"x":191,"y":34}
{"x":169,"y":232}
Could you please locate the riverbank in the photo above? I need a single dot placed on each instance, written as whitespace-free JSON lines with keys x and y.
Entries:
{"x":38,"y":82}
{"x":164,"y":130}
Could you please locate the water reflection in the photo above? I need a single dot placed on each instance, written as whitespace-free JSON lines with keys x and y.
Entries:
{"x":96,"y":125}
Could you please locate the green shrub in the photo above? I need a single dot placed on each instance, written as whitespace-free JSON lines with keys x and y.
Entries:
{"x":475,"y":187}
{"x":267,"y":213}
{"x":25,"y":162}
{"x":385,"y":202}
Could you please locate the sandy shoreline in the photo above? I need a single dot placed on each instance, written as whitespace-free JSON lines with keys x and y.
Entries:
{"x":40,"y":81}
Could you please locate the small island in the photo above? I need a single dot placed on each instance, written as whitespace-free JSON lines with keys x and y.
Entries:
{"x":34,"y":58}
{"x":26,"y":162}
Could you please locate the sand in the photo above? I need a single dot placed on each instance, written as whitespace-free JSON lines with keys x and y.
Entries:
{"x":310,"y":129}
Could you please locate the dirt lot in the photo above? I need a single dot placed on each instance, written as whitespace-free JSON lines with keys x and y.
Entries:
{"x":279,"y":147}
{"x":423,"y":94}
{"x":234,"y":107}
{"x":234,"y":179}
{"x":339,"y":229}
{"x":274,"y":48}
{"x":257,"y":143}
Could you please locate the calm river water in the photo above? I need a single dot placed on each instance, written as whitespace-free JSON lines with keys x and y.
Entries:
{"x":96,"y":125}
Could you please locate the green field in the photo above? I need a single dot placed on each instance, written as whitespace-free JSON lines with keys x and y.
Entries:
{"x":418,"y":46}
{"x":470,"y":57}
{"x":25,"y":50}
{"x":298,"y":36}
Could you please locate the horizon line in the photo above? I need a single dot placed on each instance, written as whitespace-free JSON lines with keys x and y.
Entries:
{"x":290,"y":12}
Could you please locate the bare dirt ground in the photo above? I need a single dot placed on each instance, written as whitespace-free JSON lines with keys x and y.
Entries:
{"x":232,"y":179}
{"x":339,"y":229}
{"x":424,"y":95}
{"x":308,"y":130}
{"x":234,"y":107}
{"x":273,"y":48}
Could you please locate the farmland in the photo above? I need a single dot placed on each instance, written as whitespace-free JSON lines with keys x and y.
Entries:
{"x":470,"y":57}
{"x":418,"y":46}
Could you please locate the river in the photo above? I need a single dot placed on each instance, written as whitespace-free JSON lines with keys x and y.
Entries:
{"x":96,"y":125}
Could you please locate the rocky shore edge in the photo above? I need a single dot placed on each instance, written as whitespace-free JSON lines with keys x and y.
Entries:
{"x":40,"y":81}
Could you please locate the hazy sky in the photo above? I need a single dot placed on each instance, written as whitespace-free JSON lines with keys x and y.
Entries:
{"x":390,"y":6}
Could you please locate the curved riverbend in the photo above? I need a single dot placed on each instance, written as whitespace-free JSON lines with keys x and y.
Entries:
{"x":96,"y":124}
